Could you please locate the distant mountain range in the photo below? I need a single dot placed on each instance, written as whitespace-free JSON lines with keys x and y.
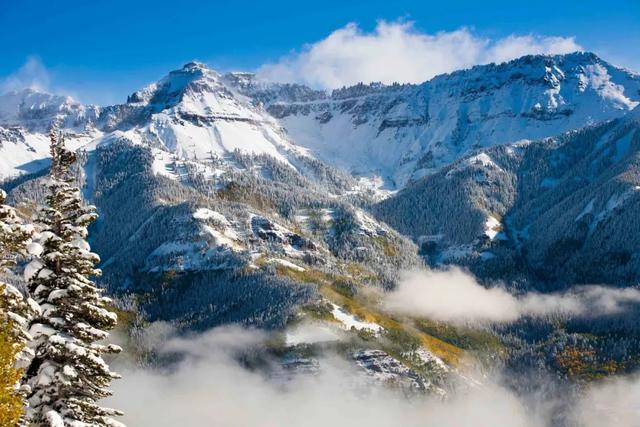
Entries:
{"x":204,"y":174}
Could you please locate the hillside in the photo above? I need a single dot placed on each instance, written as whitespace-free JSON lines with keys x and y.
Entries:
{"x":558,"y":211}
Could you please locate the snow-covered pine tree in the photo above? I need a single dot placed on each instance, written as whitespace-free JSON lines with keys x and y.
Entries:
{"x":68,"y":375}
{"x":15,"y":311}
{"x":15,"y":242}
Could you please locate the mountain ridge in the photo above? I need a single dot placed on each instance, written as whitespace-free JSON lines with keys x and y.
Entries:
{"x":432,"y":124}
{"x":353,"y":127}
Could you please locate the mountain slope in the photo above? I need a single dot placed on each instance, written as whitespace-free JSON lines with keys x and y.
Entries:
{"x":560,"y":211}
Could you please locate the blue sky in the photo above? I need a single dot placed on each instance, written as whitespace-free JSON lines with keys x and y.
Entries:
{"x":99,"y":51}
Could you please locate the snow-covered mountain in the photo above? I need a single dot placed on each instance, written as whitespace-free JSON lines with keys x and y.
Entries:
{"x":402,"y":132}
{"x":189,"y":114}
{"x":389,"y":135}
{"x":224,"y":199}
{"x":195,"y":179}
{"x":25,"y":118}
{"x":212,"y":132}
{"x":192,"y":113}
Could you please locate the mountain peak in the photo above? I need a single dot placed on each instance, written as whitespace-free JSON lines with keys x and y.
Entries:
{"x":194,"y":65}
{"x":169,"y":90}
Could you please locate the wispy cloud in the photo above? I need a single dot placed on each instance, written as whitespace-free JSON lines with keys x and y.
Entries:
{"x":456,"y":296}
{"x":396,"y":51}
{"x":31,"y":75}
{"x":35,"y":74}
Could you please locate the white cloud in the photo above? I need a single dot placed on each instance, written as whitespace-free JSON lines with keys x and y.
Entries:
{"x":31,"y":75}
{"x":210,"y":387}
{"x":449,"y":296}
{"x":613,"y":402}
{"x":312,"y":332}
{"x":456,"y":296}
{"x":513,"y":46}
{"x":396,"y":51}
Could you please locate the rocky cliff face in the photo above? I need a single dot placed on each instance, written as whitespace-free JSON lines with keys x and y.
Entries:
{"x":403,"y":132}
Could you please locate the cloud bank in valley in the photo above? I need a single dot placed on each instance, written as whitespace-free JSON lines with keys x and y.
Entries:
{"x":210,"y":387}
{"x":455,"y":296}
{"x":398,"y":52}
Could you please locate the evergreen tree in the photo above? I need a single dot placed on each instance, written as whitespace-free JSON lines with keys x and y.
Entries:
{"x":15,"y":312}
{"x":15,"y":242}
{"x":68,"y":375}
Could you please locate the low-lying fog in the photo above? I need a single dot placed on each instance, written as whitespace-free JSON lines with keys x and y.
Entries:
{"x":209,"y":386}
